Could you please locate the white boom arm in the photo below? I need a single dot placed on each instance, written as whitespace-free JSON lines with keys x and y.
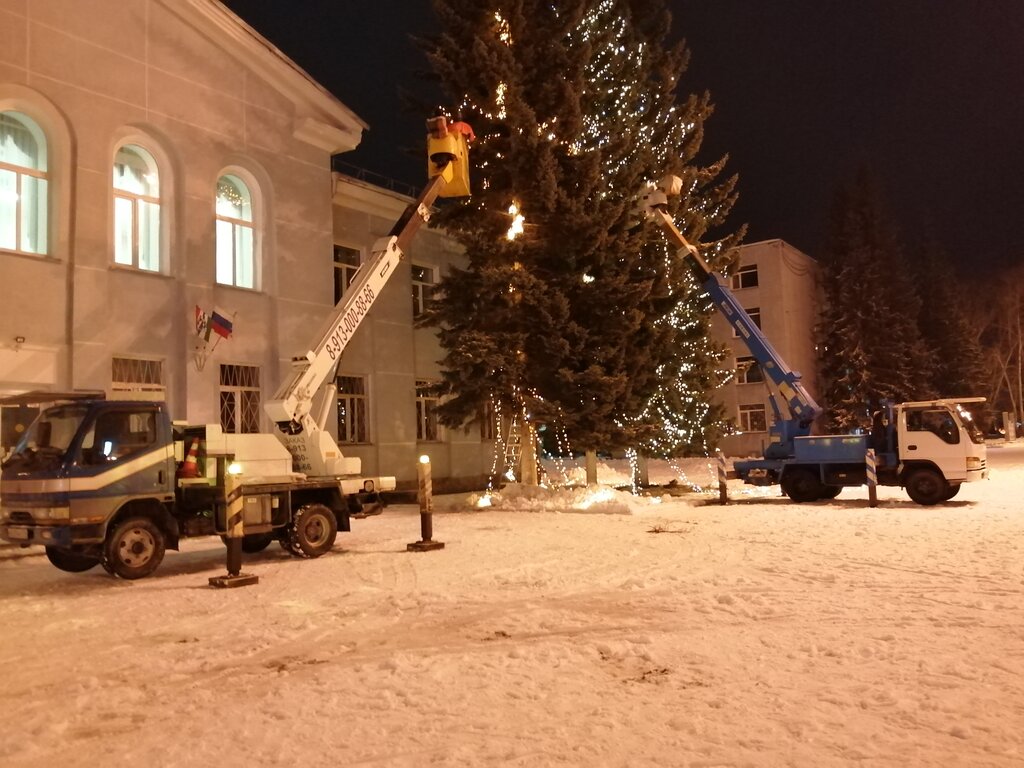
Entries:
{"x":313,"y":448}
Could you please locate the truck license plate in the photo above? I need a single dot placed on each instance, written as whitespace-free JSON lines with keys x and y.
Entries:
{"x":17,"y":532}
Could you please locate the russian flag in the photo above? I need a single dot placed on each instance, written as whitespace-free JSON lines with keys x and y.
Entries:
{"x":220,"y":323}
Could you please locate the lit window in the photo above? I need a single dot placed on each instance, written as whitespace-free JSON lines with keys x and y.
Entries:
{"x":236,"y":250}
{"x":137,"y":379}
{"x":240,"y":398}
{"x":748,"y":371}
{"x":745,"y":277}
{"x":346,"y":263}
{"x":136,"y":209}
{"x":423,"y":281}
{"x":753,"y":418}
{"x":23,"y":184}
{"x":353,"y":409}
{"x":426,"y":412}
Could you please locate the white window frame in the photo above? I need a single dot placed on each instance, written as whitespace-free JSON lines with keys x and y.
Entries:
{"x":239,"y":227}
{"x":752,"y":418}
{"x":755,"y":316}
{"x":745,"y":277}
{"x":137,"y":378}
{"x":344,"y":270}
{"x":748,"y":371}
{"x":140,"y":256}
{"x":423,"y":289}
{"x":353,"y":410}
{"x":428,"y":428}
{"x":39,"y":179}
{"x":239,"y":383}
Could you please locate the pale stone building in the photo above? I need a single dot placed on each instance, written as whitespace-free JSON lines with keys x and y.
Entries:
{"x":160,"y":160}
{"x":778,"y":286}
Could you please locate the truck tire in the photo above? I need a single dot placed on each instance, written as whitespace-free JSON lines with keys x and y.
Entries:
{"x":134,"y":548}
{"x":830,"y":491}
{"x":954,"y":489}
{"x":802,"y":484}
{"x":72,"y":562}
{"x":927,"y":486}
{"x":252,"y":542}
{"x":313,"y":530}
{"x":256,"y":542}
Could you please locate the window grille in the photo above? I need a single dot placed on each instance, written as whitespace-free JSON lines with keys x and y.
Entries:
{"x":353,"y":410}
{"x":240,"y":398}
{"x":134,"y":378}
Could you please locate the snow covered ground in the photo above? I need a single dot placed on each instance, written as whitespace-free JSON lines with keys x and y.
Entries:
{"x":553,"y":630}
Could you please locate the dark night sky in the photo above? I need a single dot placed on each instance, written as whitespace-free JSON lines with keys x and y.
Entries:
{"x":928,"y":93}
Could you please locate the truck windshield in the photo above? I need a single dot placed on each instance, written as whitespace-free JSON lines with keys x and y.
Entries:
{"x":48,"y":439}
{"x":967,"y":420}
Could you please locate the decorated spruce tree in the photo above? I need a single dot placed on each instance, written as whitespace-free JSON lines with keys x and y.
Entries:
{"x":570,"y":305}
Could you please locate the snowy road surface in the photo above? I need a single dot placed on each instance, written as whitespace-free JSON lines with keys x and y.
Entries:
{"x":628,"y":633}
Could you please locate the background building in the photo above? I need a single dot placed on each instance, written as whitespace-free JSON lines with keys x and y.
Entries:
{"x":778,"y":286}
{"x":160,"y":161}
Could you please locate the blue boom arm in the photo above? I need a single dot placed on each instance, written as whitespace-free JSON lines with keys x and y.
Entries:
{"x":786,"y":387}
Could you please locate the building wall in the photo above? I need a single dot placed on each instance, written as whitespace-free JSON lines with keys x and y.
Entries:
{"x":188,"y":82}
{"x":788,"y":297}
{"x":393,"y":354}
{"x":205,"y":95}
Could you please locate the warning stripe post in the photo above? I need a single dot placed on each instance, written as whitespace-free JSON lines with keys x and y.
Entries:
{"x":723,"y":490}
{"x":872,"y":477}
{"x":234,"y":530}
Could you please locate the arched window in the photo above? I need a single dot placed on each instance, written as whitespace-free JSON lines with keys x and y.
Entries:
{"x":236,"y":249}
{"x":136,"y":209}
{"x":23,"y":184}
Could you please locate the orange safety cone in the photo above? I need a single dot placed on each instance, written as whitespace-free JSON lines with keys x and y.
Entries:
{"x":190,"y":467}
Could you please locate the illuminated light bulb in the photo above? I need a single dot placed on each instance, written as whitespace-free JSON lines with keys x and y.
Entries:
{"x":516,"y":228}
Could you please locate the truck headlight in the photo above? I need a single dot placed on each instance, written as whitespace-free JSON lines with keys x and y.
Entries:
{"x":57,"y":513}
{"x":973,"y":462}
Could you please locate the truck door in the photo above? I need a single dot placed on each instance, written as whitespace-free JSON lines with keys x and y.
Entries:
{"x":122,"y":452}
{"x":932,"y":433}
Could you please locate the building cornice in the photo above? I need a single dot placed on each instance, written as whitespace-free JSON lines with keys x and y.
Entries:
{"x":320,"y":118}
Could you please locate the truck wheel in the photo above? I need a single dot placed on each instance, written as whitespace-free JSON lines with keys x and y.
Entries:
{"x":134,"y":549}
{"x":801,"y":485}
{"x":285,"y":540}
{"x":927,"y":487}
{"x":314,"y":530}
{"x":72,"y":562}
{"x":256,"y":542}
{"x":830,"y":491}
{"x":954,"y":489}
